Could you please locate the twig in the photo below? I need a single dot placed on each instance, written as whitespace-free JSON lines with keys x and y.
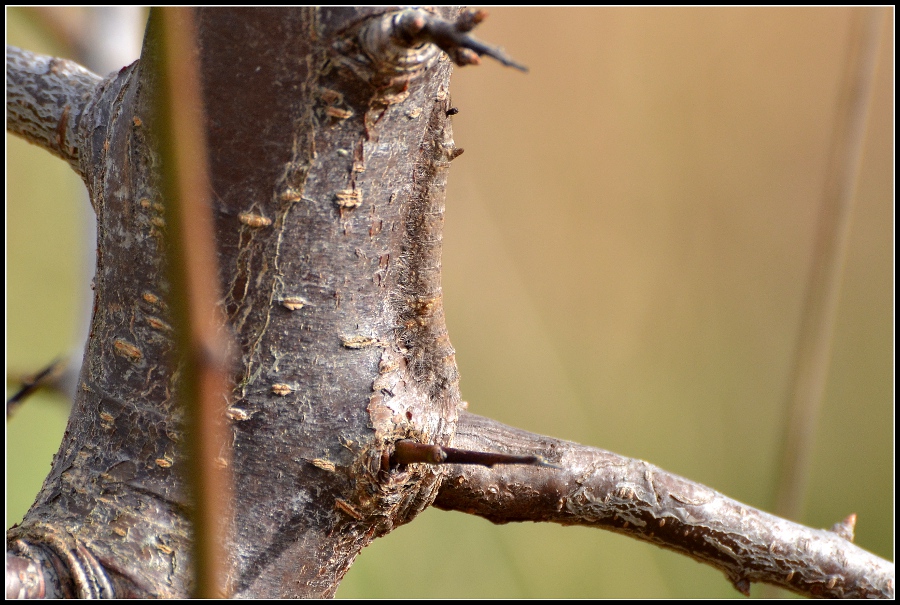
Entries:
{"x":43,"y":378}
{"x":814,"y":341}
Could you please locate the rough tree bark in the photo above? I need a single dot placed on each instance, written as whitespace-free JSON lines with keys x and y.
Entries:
{"x":330,"y":144}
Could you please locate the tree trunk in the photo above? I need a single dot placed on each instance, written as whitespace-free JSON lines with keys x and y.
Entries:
{"x":329,"y":149}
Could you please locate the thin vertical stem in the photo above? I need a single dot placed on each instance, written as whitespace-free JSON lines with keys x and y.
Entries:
{"x":813,"y":353}
{"x":195,"y":291}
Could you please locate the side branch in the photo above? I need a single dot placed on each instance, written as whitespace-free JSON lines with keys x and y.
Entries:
{"x":601,"y":489}
{"x":45,"y":98}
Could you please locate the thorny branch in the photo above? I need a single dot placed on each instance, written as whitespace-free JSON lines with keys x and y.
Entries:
{"x":597,"y":488}
{"x":524,"y":477}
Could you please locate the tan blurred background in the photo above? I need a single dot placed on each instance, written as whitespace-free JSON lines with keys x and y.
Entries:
{"x":628,"y":241}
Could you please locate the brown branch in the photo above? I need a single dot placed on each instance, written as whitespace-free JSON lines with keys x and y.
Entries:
{"x":190,"y":236}
{"x":809,"y":372}
{"x":603,"y":489}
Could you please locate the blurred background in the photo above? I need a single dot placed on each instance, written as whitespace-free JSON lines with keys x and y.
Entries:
{"x":628,"y":244}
